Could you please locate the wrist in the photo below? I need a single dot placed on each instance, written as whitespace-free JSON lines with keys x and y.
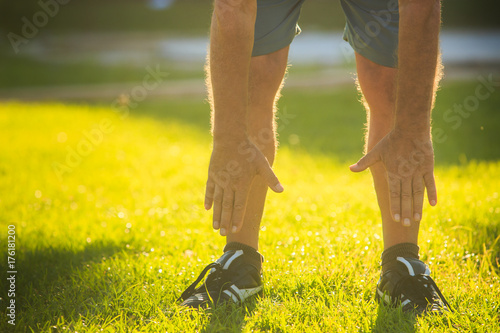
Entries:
{"x":412,"y":129}
{"x":412,"y":133}
{"x":229,"y":138}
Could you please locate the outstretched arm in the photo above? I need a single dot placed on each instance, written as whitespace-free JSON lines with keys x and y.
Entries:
{"x":235,"y":159}
{"x":231,"y":42}
{"x":407,"y":151}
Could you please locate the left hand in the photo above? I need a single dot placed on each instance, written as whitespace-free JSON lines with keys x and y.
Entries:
{"x":409,"y":162}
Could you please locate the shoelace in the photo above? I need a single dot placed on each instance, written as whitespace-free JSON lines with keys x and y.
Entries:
{"x":419,"y":281}
{"x":217,"y":275}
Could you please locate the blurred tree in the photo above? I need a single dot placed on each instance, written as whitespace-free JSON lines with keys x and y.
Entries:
{"x":105,"y":15}
{"x":11,"y":13}
{"x":193,"y":16}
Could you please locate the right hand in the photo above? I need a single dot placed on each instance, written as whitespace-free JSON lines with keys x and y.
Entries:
{"x":233,"y":166}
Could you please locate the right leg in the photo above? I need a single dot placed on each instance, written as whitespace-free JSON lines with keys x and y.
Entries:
{"x":236,"y":275}
{"x":265,"y":81}
{"x":266,"y":77}
{"x":258,"y":96}
{"x":241,"y":259}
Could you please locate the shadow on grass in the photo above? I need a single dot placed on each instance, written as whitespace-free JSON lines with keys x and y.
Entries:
{"x":391,"y":319}
{"x":328,"y":123}
{"x":332,"y":122}
{"x":46,"y":276}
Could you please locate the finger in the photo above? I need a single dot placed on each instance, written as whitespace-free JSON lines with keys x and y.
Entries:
{"x":218,"y":193}
{"x":240,"y":202}
{"x":406,"y":202}
{"x":366,"y":161}
{"x":395,"y":197}
{"x":418,"y":198}
{"x":209,"y":194}
{"x":270,"y":178}
{"x":430,"y":184}
{"x":227,"y":211}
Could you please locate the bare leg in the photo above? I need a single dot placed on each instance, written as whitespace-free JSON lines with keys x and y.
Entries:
{"x":378,"y":85}
{"x":265,"y":80}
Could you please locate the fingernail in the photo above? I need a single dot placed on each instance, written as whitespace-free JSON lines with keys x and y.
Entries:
{"x":216,"y":225}
{"x":234,"y":230}
{"x":397,"y":218}
{"x":223,"y":232}
{"x":433,"y":202}
{"x":417,"y":217}
{"x":279,"y":187}
{"x":207,"y":207}
{"x":406,"y":222}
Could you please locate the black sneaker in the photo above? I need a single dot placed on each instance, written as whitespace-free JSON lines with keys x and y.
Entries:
{"x":407,"y":283}
{"x":234,"y":277}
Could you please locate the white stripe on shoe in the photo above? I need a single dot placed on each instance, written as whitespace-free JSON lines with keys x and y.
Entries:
{"x":407,"y":264}
{"x":234,"y":256}
{"x":233,"y":297}
{"x":387,"y":299}
{"x":245,"y":293}
{"x":239,"y":295}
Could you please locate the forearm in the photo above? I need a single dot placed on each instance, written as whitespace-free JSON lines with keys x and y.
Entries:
{"x":231,"y":42}
{"x":418,"y":56}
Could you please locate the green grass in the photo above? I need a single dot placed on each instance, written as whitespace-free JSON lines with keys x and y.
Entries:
{"x":113,"y":243}
{"x":18,"y":72}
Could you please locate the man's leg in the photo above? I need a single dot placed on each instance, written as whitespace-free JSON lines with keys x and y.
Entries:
{"x":266,"y":77}
{"x":400,"y":256}
{"x":241,"y":262}
{"x":243,"y":91}
{"x":378,"y":86}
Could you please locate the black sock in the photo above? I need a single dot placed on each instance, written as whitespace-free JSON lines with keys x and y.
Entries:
{"x":406,"y":250}
{"x":251,"y":254}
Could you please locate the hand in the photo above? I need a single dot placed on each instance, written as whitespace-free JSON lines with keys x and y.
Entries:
{"x":233,"y":166}
{"x":409,"y":163}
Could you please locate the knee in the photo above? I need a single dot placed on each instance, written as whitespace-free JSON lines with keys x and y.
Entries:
{"x":270,"y":68}
{"x":378,"y":86}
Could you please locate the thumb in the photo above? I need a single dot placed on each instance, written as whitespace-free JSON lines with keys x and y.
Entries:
{"x":272,"y":181}
{"x":366,"y":161}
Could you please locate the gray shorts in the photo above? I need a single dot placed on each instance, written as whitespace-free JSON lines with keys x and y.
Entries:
{"x":276,"y":25}
{"x":371,"y":28}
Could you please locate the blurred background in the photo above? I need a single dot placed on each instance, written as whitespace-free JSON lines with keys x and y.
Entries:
{"x":105,"y":136}
{"x":90,"y":49}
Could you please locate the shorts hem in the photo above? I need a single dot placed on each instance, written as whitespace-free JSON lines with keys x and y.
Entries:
{"x":271,"y":47}
{"x":378,"y":59}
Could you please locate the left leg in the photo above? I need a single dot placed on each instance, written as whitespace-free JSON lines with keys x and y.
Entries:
{"x":378,"y":86}
{"x":400,"y":258}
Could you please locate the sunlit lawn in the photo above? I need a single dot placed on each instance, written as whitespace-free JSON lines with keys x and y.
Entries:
{"x":110,"y":241}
